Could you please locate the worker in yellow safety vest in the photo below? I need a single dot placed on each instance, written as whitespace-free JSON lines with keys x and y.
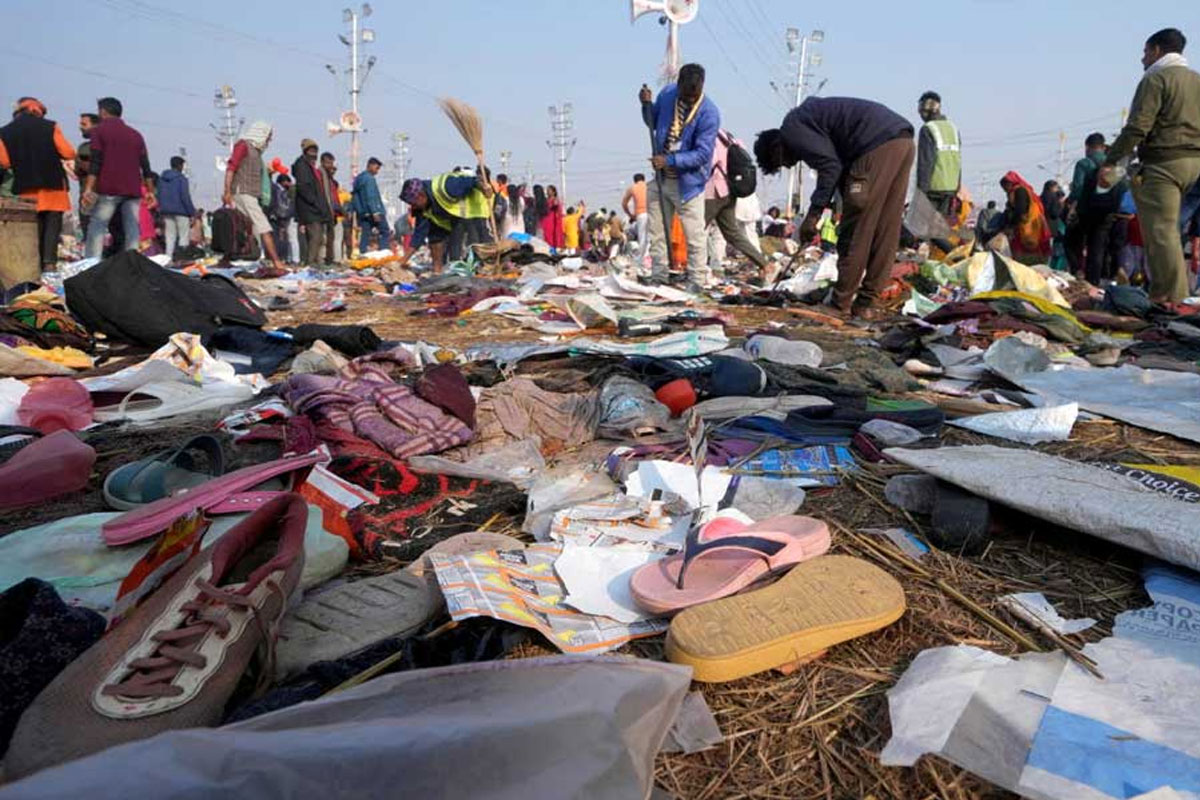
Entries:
{"x":939,"y":155}
{"x":451,"y":212}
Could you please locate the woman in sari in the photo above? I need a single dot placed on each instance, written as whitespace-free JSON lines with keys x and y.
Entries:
{"x":552,"y":219}
{"x":1025,"y":218}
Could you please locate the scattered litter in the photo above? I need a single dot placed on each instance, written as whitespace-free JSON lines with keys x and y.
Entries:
{"x":521,"y":587}
{"x":1035,"y":605}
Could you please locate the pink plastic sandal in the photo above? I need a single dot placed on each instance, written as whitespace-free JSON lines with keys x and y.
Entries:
{"x":724,"y":557}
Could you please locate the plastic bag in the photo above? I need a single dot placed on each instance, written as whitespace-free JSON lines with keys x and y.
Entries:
{"x":628,"y":407}
{"x":538,"y":727}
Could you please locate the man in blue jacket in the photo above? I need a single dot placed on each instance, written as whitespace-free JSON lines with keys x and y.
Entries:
{"x":865,"y":151}
{"x":367,"y":203}
{"x":175,"y":205}
{"x":685,"y":125}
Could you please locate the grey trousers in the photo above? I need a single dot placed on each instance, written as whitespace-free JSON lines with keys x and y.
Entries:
{"x":724,"y":212}
{"x":691,"y":214}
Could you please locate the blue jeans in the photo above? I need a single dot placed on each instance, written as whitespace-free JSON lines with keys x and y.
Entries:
{"x":102,"y":214}
{"x":366,"y":223}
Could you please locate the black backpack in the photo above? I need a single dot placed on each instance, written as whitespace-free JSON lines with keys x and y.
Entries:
{"x":233,"y":235}
{"x":131,"y":299}
{"x":740,"y":170}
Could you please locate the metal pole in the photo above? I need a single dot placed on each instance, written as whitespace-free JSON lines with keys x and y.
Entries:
{"x":1062,"y":155}
{"x":354,"y":92}
{"x":400,"y":162}
{"x":560,"y":126}
{"x":562,"y":175}
{"x":797,"y":171}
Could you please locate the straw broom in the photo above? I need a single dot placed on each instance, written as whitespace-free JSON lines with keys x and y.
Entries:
{"x":470,"y":127}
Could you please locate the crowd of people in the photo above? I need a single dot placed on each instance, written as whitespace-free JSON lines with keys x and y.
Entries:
{"x":1113,"y":222}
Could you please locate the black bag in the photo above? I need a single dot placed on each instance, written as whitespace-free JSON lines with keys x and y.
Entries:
{"x":740,"y":169}
{"x":233,"y":235}
{"x":131,"y":299}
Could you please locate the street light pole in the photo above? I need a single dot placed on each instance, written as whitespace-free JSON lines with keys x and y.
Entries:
{"x":400,"y":162}
{"x":561,"y":125}
{"x":795,"y":39}
{"x":358,"y":76}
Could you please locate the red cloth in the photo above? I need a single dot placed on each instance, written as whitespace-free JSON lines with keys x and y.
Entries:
{"x":1134,"y":233}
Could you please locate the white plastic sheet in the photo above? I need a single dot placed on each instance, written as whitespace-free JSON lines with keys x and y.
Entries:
{"x":1155,"y":399}
{"x":70,"y":554}
{"x":518,"y":463}
{"x":1037,"y":606}
{"x":1028,"y":426}
{"x":1045,"y":728}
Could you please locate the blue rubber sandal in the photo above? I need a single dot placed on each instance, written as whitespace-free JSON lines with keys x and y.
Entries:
{"x":164,"y":474}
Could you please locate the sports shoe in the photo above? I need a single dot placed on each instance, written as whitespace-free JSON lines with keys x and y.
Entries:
{"x":177,"y":659}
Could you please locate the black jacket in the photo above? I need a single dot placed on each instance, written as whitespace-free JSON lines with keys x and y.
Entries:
{"x":36,"y":163}
{"x":831,"y":133}
{"x":311,"y":203}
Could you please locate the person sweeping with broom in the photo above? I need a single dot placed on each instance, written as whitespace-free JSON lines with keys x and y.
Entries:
{"x":454,"y":210}
{"x":450,"y":211}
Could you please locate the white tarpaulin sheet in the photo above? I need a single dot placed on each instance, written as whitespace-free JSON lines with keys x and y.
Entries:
{"x":1077,"y":496}
{"x":1047,"y":729}
{"x":1154,"y":399}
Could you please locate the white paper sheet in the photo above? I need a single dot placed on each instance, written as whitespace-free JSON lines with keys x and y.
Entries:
{"x":597,"y":580}
{"x":681,"y":480}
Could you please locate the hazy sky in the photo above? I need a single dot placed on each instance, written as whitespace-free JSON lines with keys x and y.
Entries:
{"x":1012,"y":73}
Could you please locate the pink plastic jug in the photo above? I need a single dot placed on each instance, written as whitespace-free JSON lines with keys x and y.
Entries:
{"x":56,"y":404}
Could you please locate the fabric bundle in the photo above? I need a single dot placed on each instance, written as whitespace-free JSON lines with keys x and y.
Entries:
{"x":393,"y":417}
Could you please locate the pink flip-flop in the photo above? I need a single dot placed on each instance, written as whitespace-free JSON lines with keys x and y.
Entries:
{"x":724,"y":557}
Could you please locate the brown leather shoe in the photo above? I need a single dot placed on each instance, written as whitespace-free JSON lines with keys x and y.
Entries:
{"x":176,"y":659}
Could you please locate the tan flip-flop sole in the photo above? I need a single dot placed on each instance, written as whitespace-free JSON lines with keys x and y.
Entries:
{"x":820,"y":603}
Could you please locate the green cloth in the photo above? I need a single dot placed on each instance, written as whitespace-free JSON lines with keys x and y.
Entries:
{"x":1158,"y":192}
{"x":1058,"y":325}
{"x":888,"y":404}
{"x":1164,"y":119}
